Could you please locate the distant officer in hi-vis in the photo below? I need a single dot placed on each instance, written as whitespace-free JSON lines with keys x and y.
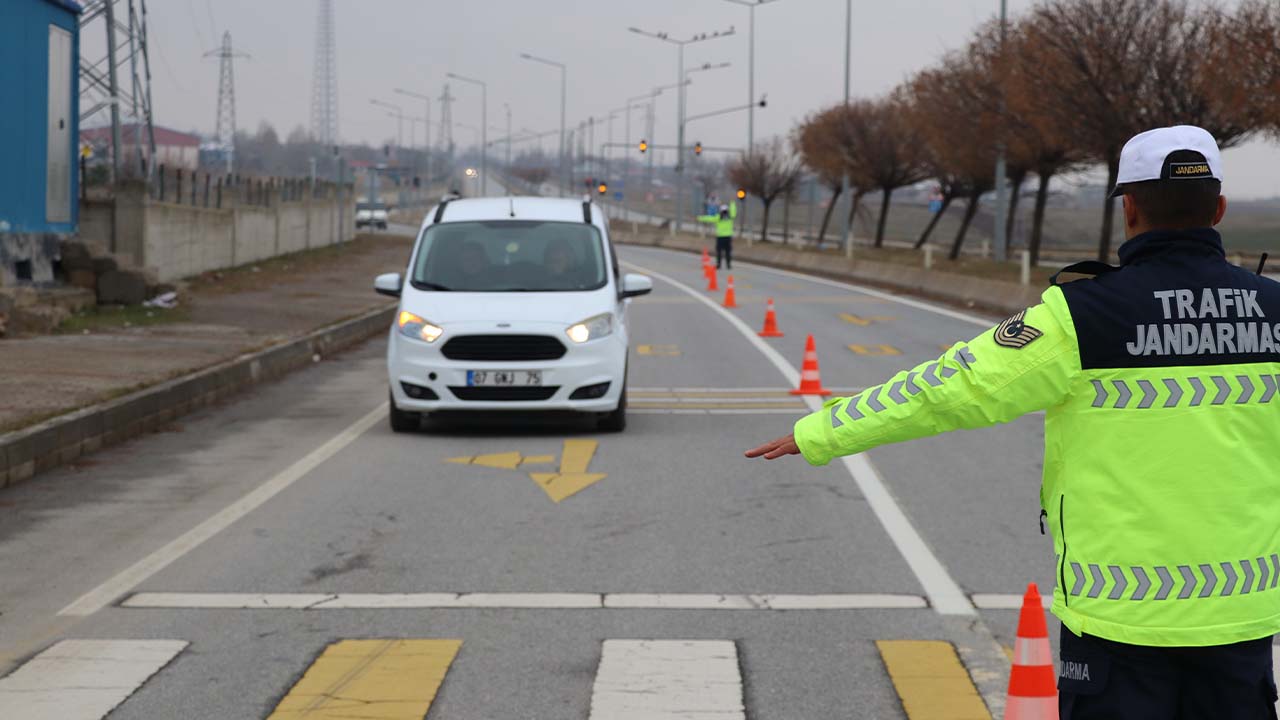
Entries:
{"x":1162,"y":447}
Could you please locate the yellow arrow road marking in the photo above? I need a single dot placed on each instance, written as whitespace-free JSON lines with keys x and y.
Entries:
{"x":864,"y":322}
{"x":573,"y":475}
{"x":372,"y":679}
{"x":875,"y":350}
{"x":931,"y":681}
{"x":502,"y":461}
{"x":658,"y":350}
{"x":538,"y":460}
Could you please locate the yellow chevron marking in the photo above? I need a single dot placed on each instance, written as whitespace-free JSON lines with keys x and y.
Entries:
{"x":931,"y":681}
{"x":538,"y":460}
{"x":875,"y":350}
{"x":573,"y":476}
{"x":863,"y":321}
{"x":370,"y":679}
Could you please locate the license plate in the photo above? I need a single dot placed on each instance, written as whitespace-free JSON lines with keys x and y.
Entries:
{"x":504,"y":378}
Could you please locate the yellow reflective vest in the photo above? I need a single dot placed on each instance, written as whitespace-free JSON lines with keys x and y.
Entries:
{"x":724,"y":226}
{"x":1161,"y":479}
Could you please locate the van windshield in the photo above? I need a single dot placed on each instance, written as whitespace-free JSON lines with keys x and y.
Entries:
{"x":510,"y":256}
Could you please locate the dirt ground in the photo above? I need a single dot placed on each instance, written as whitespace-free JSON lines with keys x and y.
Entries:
{"x":222,"y":315}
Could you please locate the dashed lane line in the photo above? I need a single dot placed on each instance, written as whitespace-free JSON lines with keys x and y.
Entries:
{"x":83,"y":679}
{"x":523,"y":601}
{"x":99,"y":597}
{"x":944,"y":594}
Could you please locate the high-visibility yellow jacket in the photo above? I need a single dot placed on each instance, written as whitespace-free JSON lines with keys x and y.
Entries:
{"x":724,"y":226}
{"x":1162,"y":437}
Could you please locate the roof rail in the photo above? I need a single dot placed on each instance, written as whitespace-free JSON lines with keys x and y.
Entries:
{"x":440,"y":210}
{"x":586,"y":211}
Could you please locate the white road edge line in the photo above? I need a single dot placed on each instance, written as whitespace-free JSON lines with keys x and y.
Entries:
{"x":101,"y":596}
{"x":668,"y":680}
{"x":83,"y":679}
{"x":909,"y":302}
{"x":944,"y":594}
{"x":522,"y":601}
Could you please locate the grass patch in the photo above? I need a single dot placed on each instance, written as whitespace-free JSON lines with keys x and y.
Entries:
{"x":113,"y":317}
{"x":286,"y":268}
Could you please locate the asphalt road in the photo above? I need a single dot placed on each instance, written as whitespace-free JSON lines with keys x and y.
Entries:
{"x":258,"y":538}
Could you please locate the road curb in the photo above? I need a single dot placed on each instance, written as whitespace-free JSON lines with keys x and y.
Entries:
{"x":37,"y":449}
{"x":969,"y":291}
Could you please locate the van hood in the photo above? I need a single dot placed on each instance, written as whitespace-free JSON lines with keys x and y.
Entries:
{"x":562,"y":308}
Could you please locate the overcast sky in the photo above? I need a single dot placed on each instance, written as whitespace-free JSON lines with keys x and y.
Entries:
{"x":385,"y":44}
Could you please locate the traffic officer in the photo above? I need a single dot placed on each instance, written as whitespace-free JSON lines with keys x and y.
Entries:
{"x":1162,"y":447}
{"x":724,"y":232}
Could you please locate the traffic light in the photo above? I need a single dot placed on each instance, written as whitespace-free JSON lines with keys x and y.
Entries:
{"x":590,"y":183}
{"x":742,"y":194}
{"x":644,"y":147}
{"x":603,"y":188}
{"x":697,"y":148}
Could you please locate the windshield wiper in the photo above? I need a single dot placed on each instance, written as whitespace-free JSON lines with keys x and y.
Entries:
{"x":434,"y":286}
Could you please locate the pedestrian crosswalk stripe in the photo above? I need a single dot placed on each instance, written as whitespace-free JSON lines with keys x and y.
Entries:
{"x":931,"y":681}
{"x":668,"y":680}
{"x":370,"y":679}
{"x":83,"y":679}
{"x":516,"y":600}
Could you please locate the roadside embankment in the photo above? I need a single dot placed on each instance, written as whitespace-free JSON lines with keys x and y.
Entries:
{"x":69,"y":394}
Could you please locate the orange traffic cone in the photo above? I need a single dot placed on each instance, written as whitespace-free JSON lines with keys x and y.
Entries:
{"x":730,"y":299}
{"x":770,"y":322}
{"x":810,"y":383}
{"x":706,"y":259}
{"x":711,"y":279}
{"x":1033,"y":692}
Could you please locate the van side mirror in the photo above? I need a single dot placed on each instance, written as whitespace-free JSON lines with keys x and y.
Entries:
{"x":388,"y":284}
{"x":634,"y":285}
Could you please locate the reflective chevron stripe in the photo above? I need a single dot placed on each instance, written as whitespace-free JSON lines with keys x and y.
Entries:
{"x":901,"y":391}
{"x":1215,"y":389}
{"x":1193,"y":580}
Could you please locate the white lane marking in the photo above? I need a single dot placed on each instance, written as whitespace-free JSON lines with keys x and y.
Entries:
{"x":521,"y":601}
{"x":909,"y":302}
{"x":99,"y":597}
{"x":689,"y":601}
{"x":83,"y":679}
{"x":668,"y":680}
{"x":944,"y":594}
{"x":1006,"y":601}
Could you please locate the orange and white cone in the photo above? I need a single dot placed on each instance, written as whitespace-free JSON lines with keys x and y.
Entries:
{"x":706,"y":259}
{"x":730,"y":299}
{"x":770,"y":322}
{"x":712,"y":286}
{"x":1033,"y":691}
{"x":810,"y":382}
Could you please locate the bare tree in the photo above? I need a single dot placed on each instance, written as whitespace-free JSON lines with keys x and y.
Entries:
{"x":767,"y":173}
{"x":817,"y":140}
{"x":886,"y":151}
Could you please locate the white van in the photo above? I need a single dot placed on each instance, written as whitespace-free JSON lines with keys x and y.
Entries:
{"x":511,"y":304}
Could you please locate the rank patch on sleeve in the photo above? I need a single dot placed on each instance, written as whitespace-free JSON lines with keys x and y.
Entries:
{"x":1016,"y":334}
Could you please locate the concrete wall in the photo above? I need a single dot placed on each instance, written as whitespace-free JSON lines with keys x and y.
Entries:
{"x":178,"y":241}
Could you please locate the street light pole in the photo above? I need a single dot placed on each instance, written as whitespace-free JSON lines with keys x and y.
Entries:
{"x":484,"y":129}
{"x":844,"y":182}
{"x":508,"y":163}
{"x":426,"y":129}
{"x":563,"y":96}
{"x":399,"y":114}
{"x":751,"y":67}
{"x":680,"y":82}
{"x":1002,"y":191}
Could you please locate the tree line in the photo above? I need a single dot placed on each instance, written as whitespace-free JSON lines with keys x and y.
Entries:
{"x":1071,"y":82}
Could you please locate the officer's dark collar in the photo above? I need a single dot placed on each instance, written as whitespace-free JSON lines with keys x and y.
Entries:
{"x":1194,"y":241}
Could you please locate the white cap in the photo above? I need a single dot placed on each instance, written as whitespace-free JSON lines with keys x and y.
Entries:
{"x":1146,"y":156}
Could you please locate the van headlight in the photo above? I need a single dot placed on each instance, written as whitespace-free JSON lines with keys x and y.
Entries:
{"x":591,"y":329}
{"x":415,"y":327}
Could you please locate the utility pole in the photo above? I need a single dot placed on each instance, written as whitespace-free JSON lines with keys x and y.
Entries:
{"x":1002,"y":190}
{"x":844,"y":182}
{"x":324,"y":84}
{"x":226,"y":125}
{"x":484,"y":129}
{"x":680,"y":111}
{"x":114,"y":82}
{"x":564,"y":74}
{"x":426,"y":130}
{"x":751,"y":68}
{"x":508,"y":162}
{"x":446,"y":124}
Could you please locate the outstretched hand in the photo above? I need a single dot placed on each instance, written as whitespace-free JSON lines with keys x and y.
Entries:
{"x":775,"y":449}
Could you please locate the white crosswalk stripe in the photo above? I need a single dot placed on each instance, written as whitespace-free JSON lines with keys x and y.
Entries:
{"x":668,"y":680}
{"x":83,"y":679}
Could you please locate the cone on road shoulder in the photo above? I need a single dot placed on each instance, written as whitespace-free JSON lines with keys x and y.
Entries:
{"x":730,"y":299}
{"x":706,"y":259}
{"x":810,"y":382}
{"x":770,"y":322}
{"x":1033,"y":691}
{"x":712,"y":286}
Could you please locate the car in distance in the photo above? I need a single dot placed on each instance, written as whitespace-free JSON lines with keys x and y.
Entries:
{"x":511,"y":304}
{"x":371,"y":214}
